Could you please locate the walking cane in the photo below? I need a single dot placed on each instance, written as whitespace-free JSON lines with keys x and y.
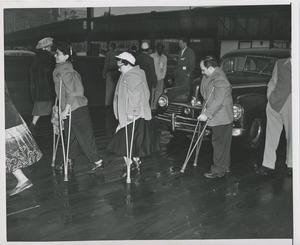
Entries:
{"x":200,"y":137}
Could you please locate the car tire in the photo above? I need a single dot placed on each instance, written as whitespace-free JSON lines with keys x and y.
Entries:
{"x":255,"y":137}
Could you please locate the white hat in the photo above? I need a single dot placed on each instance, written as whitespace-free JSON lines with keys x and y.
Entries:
{"x":145,"y":45}
{"x":126,"y":56}
{"x":44,"y":43}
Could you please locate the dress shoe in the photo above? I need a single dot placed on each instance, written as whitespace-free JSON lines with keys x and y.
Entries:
{"x":96,"y":166}
{"x":213,"y":175}
{"x":264,"y":171}
{"x":21,"y":188}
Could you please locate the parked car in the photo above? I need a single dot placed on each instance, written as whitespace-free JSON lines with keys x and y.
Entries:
{"x":248,"y":71}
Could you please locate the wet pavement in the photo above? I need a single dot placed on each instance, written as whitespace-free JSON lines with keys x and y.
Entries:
{"x":161,"y":203}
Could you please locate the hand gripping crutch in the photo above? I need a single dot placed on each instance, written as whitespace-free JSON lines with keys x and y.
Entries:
{"x":200,"y":137}
{"x":129,"y":152}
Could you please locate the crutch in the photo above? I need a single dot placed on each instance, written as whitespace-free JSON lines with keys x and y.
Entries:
{"x":55,"y":143}
{"x":200,"y":137}
{"x":129,"y":152}
{"x":60,"y":135}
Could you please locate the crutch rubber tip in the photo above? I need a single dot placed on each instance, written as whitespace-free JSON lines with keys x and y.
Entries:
{"x":182,"y":171}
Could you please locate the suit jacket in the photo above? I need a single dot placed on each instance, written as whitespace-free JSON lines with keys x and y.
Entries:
{"x":132,"y":97}
{"x":280,"y":84}
{"x":185,"y":68}
{"x":219,"y":105}
{"x":146,"y":62}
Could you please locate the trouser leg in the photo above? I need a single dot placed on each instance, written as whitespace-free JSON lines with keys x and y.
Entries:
{"x":156,"y":92}
{"x":221,"y":141}
{"x":83,"y":135}
{"x":273,"y":132}
{"x":286,"y":113}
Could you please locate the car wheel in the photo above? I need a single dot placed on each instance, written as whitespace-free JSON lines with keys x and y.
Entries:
{"x":256,"y":134}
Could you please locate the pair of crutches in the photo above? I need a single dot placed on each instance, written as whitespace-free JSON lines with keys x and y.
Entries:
{"x":129,"y":151}
{"x":59,"y":134}
{"x":198,"y":142}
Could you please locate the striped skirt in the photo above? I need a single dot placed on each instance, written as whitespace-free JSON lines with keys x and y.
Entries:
{"x":21,"y":148}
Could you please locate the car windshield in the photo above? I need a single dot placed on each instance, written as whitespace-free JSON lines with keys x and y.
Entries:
{"x":249,"y":63}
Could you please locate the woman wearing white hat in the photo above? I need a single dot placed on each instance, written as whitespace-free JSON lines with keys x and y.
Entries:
{"x":131,"y":107}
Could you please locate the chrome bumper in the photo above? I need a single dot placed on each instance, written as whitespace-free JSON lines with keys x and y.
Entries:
{"x":185,"y":124}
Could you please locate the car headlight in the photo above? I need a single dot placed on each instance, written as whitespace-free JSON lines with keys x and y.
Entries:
{"x":163,"y":101}
{"x":195,"y":102}
{"x":238,"y":111}
{"x":187,"y":111}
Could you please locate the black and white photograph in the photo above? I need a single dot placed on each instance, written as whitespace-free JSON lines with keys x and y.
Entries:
{"x":150,"y":123}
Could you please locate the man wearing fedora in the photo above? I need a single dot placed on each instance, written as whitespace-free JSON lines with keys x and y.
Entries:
{"x":41,"y":82}
{"x":146,"y":63}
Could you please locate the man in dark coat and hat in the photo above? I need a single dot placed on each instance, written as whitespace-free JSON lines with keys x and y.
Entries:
{"x":146,"y":63}
{"x":41,"y":82}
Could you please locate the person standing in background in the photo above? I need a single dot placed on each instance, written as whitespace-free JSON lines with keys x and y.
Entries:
{"x":146,"y":63}
{"x":20,"y":147}
{"x":134,"y":51}
{"x":186,"y":65}
{"x":279,"y":116}
{"x":110,"y":73}
{"x":160,"y":63}
{"x":41,"y":81}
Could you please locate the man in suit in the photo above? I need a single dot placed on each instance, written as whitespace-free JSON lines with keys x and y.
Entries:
{"x":279,"y":116}
{"x":160,"y":62}
{"x":186,"y":65}
{"x":216,"y":91}
{"x":146,"y":63}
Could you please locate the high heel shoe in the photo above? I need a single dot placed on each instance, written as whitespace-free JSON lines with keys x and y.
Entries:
{"x":138,"y":164}
{"x":71,"y":163}
{"x":96,"y":166}
{"x":132,"y":169}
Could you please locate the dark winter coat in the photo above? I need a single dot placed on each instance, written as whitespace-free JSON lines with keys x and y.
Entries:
{"x":12,"y":117}
{"x":41,"y":81}
{"x":146,"y":63}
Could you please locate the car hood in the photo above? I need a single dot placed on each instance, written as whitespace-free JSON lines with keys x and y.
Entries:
{"x":178,"y":94}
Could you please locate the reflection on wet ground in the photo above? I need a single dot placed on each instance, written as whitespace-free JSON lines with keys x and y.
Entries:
{"x":160,"y":203}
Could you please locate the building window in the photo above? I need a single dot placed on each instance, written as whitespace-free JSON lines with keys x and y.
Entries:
{"x":245,"y":44}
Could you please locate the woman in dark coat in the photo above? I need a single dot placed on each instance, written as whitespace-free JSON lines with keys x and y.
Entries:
{"x":41,"y":81}
{"x":21,"y":148}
